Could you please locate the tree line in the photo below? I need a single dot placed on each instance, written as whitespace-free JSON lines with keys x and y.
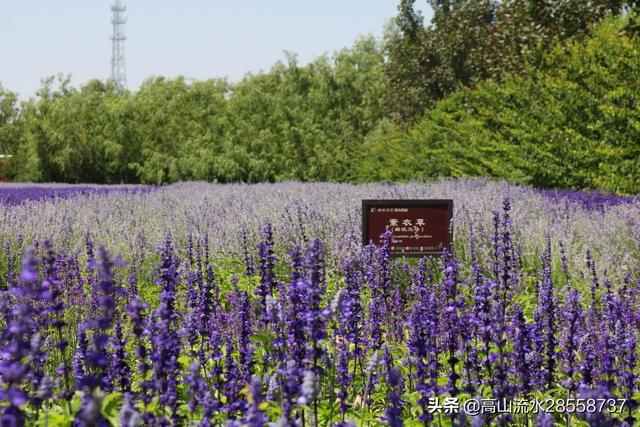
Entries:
{"x":535,"y":92}
{"x":293,"y":122}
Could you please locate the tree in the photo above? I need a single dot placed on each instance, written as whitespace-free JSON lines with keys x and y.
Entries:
{"x":568,"y":121}
{"x":469,"y":41}
{"x":8,"y":116}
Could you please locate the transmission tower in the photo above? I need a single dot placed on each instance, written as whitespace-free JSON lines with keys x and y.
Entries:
{"x":118,"y":66}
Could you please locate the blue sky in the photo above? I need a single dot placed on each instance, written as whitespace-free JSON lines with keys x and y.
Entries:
{"x":195,"y":38}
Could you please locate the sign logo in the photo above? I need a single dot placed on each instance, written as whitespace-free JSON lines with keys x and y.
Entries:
{"x":419,"y":227}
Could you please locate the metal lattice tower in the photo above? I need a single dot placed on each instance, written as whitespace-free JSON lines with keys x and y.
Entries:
{"x":118,"y":66}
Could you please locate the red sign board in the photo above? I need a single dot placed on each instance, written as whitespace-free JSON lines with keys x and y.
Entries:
{"x":419,"y":227}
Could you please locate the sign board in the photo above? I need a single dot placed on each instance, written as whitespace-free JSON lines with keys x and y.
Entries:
{"x":419,"y":227}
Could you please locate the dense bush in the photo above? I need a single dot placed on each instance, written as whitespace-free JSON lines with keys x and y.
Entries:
{"x":293,"y":122}
{"x":470,"y":41}
{"x":571,"y":121}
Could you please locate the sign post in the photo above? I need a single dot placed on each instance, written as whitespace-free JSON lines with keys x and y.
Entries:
{"x":419,"y":227}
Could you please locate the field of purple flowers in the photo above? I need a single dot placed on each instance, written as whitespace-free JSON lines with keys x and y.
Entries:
{"x":201,"y":304}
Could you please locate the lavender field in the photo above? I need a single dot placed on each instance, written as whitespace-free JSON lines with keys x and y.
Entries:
{"x":204,"y":304}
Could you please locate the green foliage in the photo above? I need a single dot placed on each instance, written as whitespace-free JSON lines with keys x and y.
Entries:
{"x":571,"y":121}
{"x":293,"y":122}
{"x":8,"y":113}
{"x":469,"y":41}
{"x":531,"y":92}
{"x":179,"y":130}
{"x":73,"y":135}
{"x":305,"y":122}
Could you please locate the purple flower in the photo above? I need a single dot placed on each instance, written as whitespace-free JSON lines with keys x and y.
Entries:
{"x":191,"y":327}
{"x":164,"y":335}
{"x":547,"y":309}
{"x":344,"y":378}
{"x":499,"y":358}
{"x":627,"y":363}
{"x":97,"y":356}
{"x":255,"y":417}
{"x":397,"y":313}
{"x":595,"y":285}
{"x":209,"y":295}
{"x":521,"y":338}
{"x":234,"y":382}
{"x":422,"y":344}
{"x":136,"y":311}
{"x":471,"y":362}
{"x":195,"y":385}
{"x":588,"y":348}
{"x":210,"y":406}
{"x":244,"y":340}
{"x":119,"y":370}
{"x":544,"y":419}
{"x":91,"y":275}
{"x":351,"y":314}
{"x":295,"y":323}
{"x":20,"y":340}
{"x":483,"y":293}
{"x":563,"y":260}
{"x":53,"y":294}
{"x":248,"y":261}
{"x":341,"y":308}
{"x":496,"y":245}
{"x":573,"y":324}
{"x":595,"y":418}
{"x":80,"y":356}
{"x":477,"y":421}
{"x":309,"y":388}
{"x":296,"y":263}
{"x":266,"y":267}
{"x":505,"y":275}
{"x":10,"y":275}
{"x":315,"y":327}
{"x":132,"y":283}
{"x":606,"y":355}
{"x":384,"y":257}
{"x":393,"y":411}
{"x":129,"y":416}
{"x":89,"y":414}
{"x":290,"y":384}
{"x":74,"y":285}
{"x":273,"y":388}
{"x":213,"y":373}
{"x":451,"y":319}
{"x":377,"y":300}
{"x":276,"y":326}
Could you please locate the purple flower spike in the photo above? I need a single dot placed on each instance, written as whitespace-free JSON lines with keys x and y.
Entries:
{"x":255,"y":416}
{"x":21,"y":342}
{"x":164,"y":336}
{"x":395,"y":384}
{"x":573,"y":326}
{"x":520,"y":334}
{"x":267,"y":267}
{"x":544,"y":419}
{"x":97,"y":356}
{"x":315,"y":315}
